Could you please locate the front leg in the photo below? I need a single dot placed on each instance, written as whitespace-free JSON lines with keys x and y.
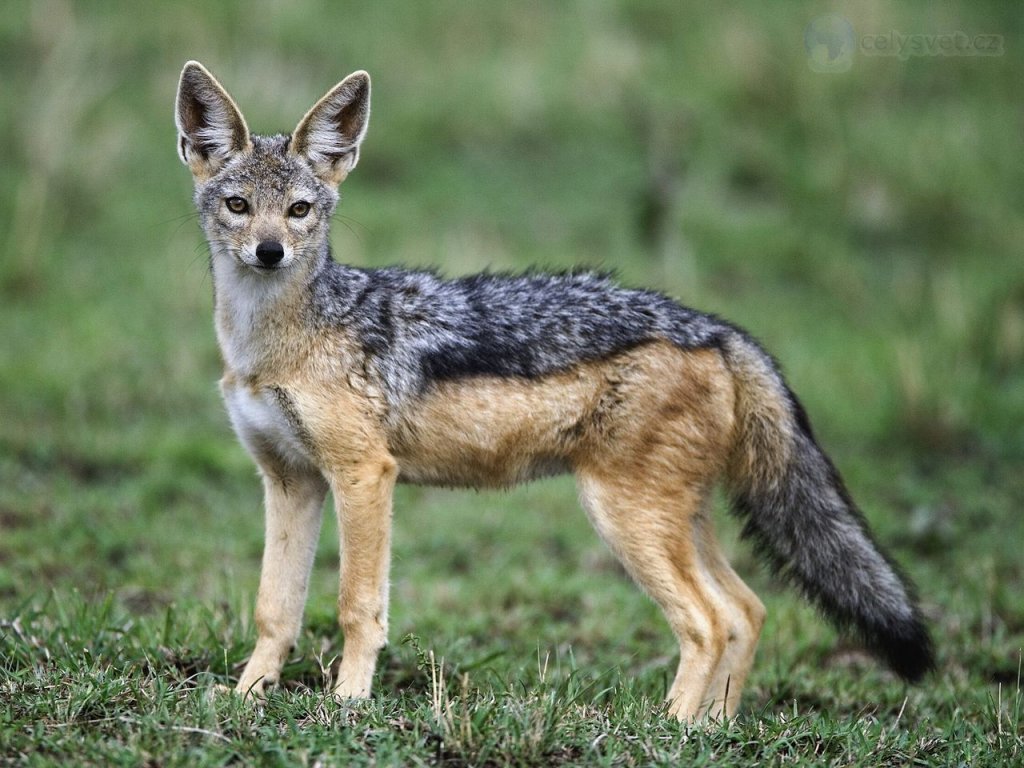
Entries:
{"x":362,"y":496}
{"x":294,"y":510}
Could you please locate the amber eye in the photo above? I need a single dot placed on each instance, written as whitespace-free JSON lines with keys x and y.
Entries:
{"x":237,"y":204}
{"x":299,"y":209}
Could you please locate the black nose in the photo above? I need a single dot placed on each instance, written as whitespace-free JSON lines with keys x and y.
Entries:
{"x":269,"y":252}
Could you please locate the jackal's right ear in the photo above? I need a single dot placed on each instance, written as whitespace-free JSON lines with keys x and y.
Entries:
{"x":331,"y":132}
{"x":210,"y":127}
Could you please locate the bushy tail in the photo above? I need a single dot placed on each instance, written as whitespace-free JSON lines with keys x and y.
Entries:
{"x":800,"y":516}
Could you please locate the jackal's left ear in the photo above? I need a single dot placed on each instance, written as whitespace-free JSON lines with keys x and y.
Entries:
{"x":331,"y":132}
{"x":210,"y":127}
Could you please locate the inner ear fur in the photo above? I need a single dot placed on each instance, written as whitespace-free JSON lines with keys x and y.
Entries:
{"x":210,"y":126}
{"x":331,"y":132}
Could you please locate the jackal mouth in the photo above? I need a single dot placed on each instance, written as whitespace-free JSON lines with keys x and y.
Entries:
{"x":259,"y":267}
{"x":262,"y":269}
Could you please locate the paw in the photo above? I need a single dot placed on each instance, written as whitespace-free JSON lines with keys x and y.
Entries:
{"x":707,"y":715}
{"x":344,"y":692}
{"x":221,"y":692}
{"x":254,"y":687}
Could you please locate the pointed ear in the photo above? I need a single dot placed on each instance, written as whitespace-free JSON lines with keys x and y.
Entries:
{"x":210,"y":127}
{"x":331,"y":132}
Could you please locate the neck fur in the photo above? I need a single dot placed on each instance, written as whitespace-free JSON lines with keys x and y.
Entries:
{"x":258,"y":317}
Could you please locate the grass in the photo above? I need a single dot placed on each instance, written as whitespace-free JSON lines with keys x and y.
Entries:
{"x":865,"y":225}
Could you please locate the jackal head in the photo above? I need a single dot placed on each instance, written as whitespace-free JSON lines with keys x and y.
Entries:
{"x":265,"y":202}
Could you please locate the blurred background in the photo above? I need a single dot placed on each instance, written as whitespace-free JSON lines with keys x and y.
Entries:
{"x":859,"y":213}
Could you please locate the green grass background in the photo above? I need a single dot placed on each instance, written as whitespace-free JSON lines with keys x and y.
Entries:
{"x":865,"y":225}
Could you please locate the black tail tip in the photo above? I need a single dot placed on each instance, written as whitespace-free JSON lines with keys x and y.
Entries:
{"x":908,"y":652}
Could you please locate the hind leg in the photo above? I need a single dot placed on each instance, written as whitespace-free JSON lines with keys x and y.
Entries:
{"x":649,"y":520}
{"x":745,"y":619}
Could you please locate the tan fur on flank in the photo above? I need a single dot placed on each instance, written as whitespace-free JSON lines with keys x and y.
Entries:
{"x":647,"y":433}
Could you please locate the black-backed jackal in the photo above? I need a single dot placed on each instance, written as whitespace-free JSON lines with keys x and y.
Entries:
{"x":351,"y":380}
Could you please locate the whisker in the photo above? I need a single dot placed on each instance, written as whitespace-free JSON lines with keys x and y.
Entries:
{"x":173,"y":219}
{"x":345,"y":223}
{"x":183,"y":220}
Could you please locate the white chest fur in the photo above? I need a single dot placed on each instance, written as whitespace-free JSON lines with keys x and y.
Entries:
{"x":251,"y":312}
{"x":263,"y":422}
